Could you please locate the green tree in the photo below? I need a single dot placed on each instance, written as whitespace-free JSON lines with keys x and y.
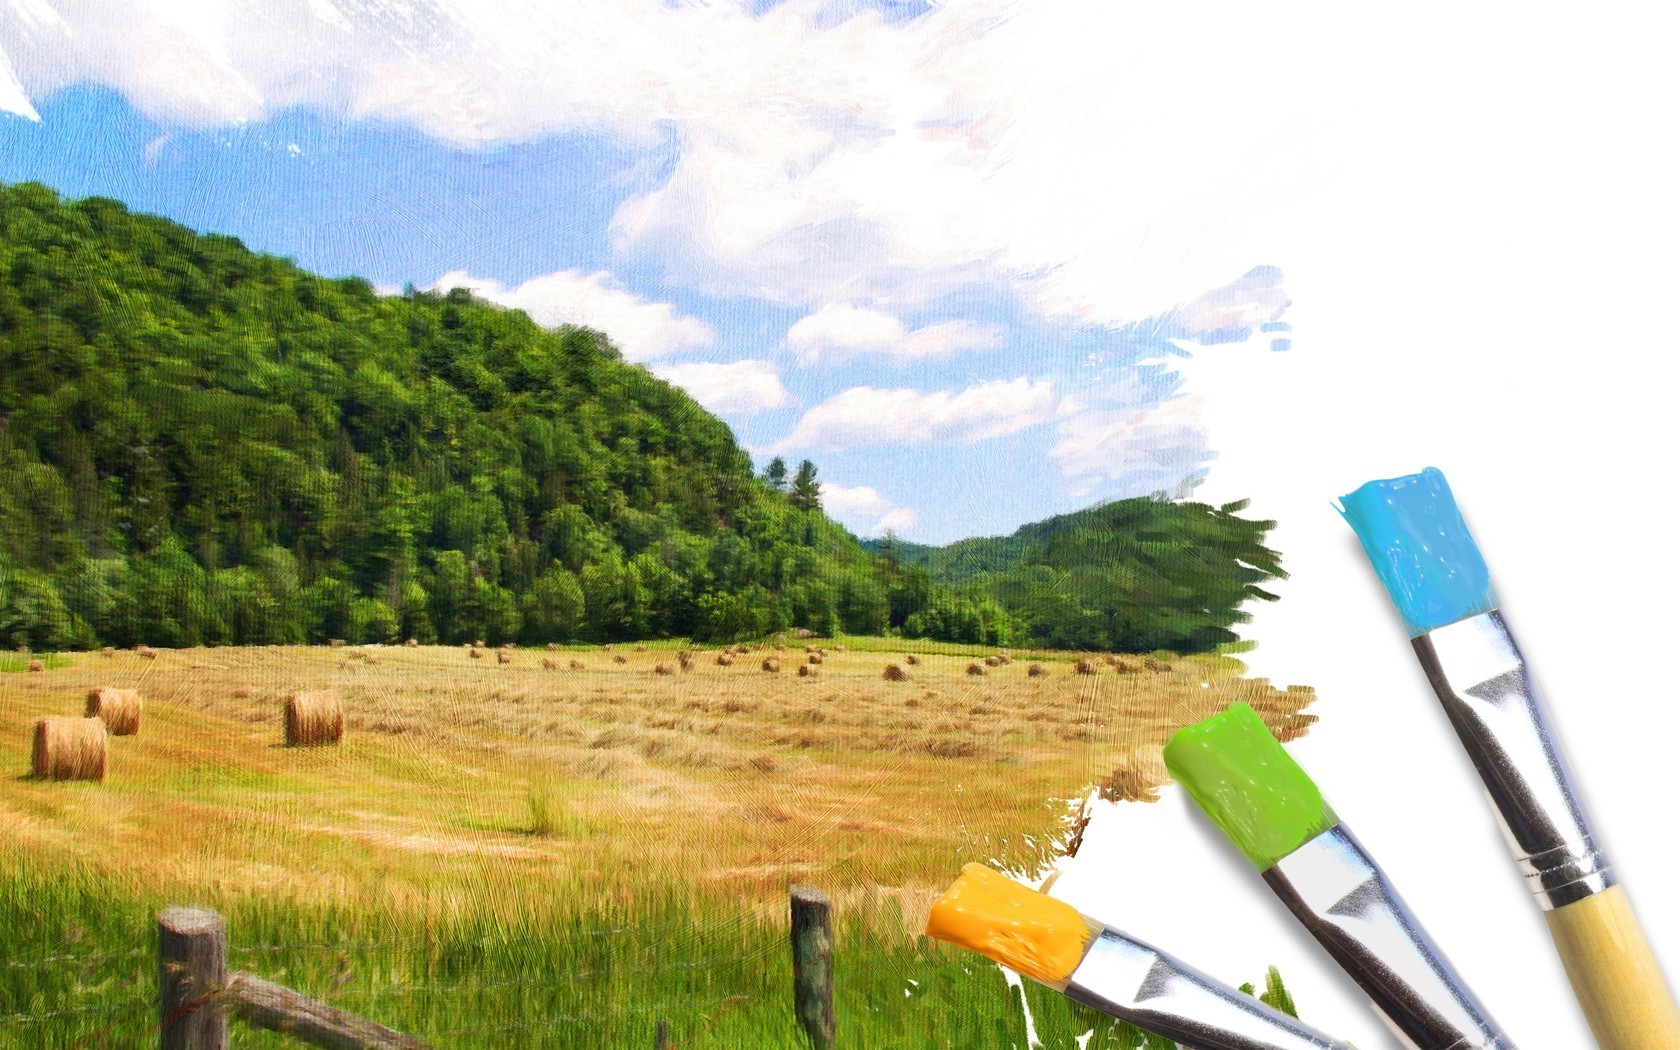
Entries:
{"x":554,"y":610}
{"x":806,"y":493}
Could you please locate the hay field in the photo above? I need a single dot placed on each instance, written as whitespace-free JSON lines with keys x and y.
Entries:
{"x":733,"y":775}
{"x":513,"y":798}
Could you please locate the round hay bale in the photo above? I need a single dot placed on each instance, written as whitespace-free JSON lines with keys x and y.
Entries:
{"x":807,"y":670}
{"x":1156,"y":665}
{"x":641,"y":648}
{"x":771,"y":664}
{"x":664,"y":668}
{"x":503,"y":656}
{"x":23,"y":650}
{"x":685,"y":658}
{"x":912,"y":658}
{"x":607,"y":648}
{"x":148,"y":652}
{"x":976,"y":668}
{"x":476,"y":654}
{"x":810,"y":648}
{"x":370,"y":659}
{"x":335,"y":643}
{"x":37,"y":667}
{"x":1036,"y":670}
{"x":803,"y":632}
{"x":814,"y":658}
{"x":577,"y":665}
{"x":412,"y":643}
{"x":313,"y":719}
{"x":620,"y":658}
{"x":69,"y":749}
{"x":1085,"y":667}
{"x":725,"y":659}
{"x":119,"y":709}
{"x":552,"y":647}
{"x":478,"y":643}
{"x":992,"y":661}
{"x":895,"y":673}
{"x":1125,"y":666}
{"x":839,"y":648}
{"x":550,"y":663}
{"x":107,"y":651}
{"x":505,"y":645}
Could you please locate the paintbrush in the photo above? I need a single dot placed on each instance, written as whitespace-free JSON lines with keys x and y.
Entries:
{"x":1049,"y":941}
{"x":1415,"y":537}
{"x":1244,"y":780}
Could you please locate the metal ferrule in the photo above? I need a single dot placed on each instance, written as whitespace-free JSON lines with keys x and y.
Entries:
{"x":1482,"y":680}
{"x":1345,"y":901}
{"x":1126,"y":978}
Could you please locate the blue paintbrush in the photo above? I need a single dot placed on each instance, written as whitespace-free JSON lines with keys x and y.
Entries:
{"x":1412,"y":531}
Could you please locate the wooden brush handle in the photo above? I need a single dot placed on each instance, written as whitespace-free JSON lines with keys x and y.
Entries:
{"x":1614,"y":974}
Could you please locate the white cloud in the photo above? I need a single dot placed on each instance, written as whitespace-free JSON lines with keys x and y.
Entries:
{"x":820,"y":159}
{"x":868,"y":416}
{"x":641,"y":329}
{"x":1134,"y":451}
{"x":840,"y":331}
{"x":1232,"y":312}
{"x":12,"y":96}
{"x":865,"y":511}
{"x":740,"y":387}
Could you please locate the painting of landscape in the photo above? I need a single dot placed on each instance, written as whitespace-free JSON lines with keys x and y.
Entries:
{"x":429,"y":544}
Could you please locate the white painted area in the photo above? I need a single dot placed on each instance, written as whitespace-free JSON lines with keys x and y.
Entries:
{"x":1486,"y":286}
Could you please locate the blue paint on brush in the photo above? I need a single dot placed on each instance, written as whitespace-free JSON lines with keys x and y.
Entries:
{"x":1416,"y":540}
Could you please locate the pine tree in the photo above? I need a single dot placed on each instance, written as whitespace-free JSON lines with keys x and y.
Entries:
{"x":807,"y":493}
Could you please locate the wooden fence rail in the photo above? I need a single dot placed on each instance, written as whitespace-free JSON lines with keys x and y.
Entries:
{"x":198,"y":994}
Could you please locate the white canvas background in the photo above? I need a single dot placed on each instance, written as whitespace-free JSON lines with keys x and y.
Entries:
{"x":1486,"y":285}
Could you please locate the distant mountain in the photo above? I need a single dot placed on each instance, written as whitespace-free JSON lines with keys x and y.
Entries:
{"x":200,"y":444}
{"x":1131,"y":576}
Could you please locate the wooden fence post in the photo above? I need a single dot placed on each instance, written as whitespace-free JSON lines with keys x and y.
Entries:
{"x":813,"y":965}
{"x":192,"y":968}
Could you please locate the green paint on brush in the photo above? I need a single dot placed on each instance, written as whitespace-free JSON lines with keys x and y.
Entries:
{"x":1247,"y":783}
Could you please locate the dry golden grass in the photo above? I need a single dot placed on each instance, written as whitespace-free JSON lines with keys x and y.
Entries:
{"x":739,"y":779}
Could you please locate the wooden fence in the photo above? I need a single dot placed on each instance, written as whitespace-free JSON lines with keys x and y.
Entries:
{"x":197,"y":994}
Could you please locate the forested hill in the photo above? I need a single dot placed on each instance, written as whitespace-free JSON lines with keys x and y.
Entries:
{"x":204,"y":445}
{"x":1133,"y":575}
{"x":200,"y":444}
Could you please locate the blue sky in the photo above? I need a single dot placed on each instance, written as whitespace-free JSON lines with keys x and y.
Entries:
{"x":869,"y":265}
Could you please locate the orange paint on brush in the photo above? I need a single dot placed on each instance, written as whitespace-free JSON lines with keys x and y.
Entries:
{"x":1034,"y":935}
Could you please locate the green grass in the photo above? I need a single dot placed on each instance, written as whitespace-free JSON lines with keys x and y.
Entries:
{"x":83,"y":973}
{"x":19,"y":662}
